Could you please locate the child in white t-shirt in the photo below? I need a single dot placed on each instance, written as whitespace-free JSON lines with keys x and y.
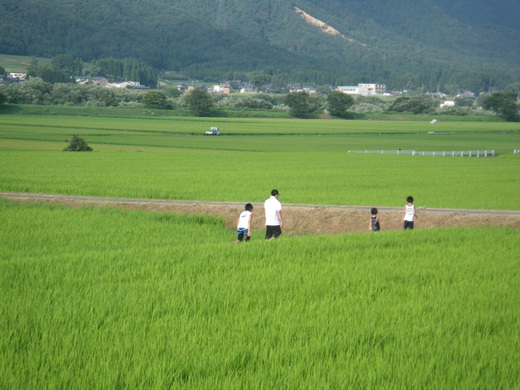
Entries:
{"x":409,"y":214}
{"x":244,"y":224}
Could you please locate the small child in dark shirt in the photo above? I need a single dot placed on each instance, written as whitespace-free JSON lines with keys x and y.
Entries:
{"x":375,"y":220}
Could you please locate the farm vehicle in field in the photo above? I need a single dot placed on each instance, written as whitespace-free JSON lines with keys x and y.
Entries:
{"x":213,"y":131}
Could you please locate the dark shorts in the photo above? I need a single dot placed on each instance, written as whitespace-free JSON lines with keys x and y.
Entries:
{"x":272,"y":231}
{"x":408,"y":225}
{"x":241,"y":233}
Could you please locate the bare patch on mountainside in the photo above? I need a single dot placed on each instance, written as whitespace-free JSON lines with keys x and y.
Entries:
{"x":298,"y":220}
{"x":324,"y":27}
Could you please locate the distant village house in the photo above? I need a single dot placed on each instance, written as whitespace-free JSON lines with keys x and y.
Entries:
{"x":248,"y":88}
{"x":127,"y":84}
{"x":222,"y":88}
{"x":13,"y":78}
{"x":447,"y":103}
{"x":101,"y":81}
{"x":365,"y":89}
{"x":181,"y":87}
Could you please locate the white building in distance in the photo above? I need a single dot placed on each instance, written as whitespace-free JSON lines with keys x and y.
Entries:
{"x":447,"y":103}
{"x":363,"y":89}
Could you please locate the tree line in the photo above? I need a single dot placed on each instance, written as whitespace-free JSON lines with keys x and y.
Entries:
{"x":199,"y":102}
{"x":64,"y":68}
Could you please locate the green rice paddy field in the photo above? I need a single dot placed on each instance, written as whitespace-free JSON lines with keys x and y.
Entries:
{"x":307,"y":160}
{"x":103,"y":298}
{"x":100,"y":298}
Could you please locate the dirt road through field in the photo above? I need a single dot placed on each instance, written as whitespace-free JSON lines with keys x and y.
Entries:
{"x":298,"y":218}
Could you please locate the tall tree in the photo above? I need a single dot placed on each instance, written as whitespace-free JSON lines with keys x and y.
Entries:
{"x":64,"y":62}
{"x":35,"y":91}
{"x":504,"y":104}
{"x":298,"y":102}
{"x":259,"y":78}
{"x":338,"y":103}
{"x":3,"y":98}
{"x":199,"y":102}
{"x":155,"y":99}
{"x":116,"y":69}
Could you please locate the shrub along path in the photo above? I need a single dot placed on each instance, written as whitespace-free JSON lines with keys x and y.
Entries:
{"x":299,"y":219}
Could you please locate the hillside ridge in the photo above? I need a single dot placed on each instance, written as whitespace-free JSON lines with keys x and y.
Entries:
{"x":404,"y":44}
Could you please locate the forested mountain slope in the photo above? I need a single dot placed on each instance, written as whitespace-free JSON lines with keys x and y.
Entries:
{"x":504,"y":13}
{"x":402,"y":43}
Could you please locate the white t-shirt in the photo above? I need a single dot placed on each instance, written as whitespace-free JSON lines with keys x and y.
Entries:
{"x":409,"y":214}
{"x":272,"y":206}
{"x":243,"y":220}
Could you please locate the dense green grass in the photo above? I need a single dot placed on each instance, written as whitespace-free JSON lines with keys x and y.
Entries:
{"x":101,"y":298}
{"x":307,"y":167}
{"x":315,"y":178}
{"x":246,"y":126}
{"x":272,"y":135}
{"x":11,"y":138}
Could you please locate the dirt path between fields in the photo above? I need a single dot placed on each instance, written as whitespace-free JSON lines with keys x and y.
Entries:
{"x":298,"y":218}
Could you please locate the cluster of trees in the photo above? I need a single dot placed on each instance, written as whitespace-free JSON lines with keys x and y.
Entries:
{"x":201,"y":103}
{"x":64,"y":67}
{"x":415,"y":104}
{"x":504,"y":104}
{"x":37,"y":91}
{"x":61,"y":69}
{"x":336,"y":103}
{"x":116,"y":69}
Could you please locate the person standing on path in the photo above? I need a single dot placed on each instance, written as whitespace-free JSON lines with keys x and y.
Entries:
{"x":409,"y":214}
{"x":273,"y":216}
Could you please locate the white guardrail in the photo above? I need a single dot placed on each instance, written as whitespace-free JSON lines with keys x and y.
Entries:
{"x":454,"y":153}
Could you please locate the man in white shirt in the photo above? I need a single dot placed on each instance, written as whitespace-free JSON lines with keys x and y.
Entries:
{"x":273,"y":216}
